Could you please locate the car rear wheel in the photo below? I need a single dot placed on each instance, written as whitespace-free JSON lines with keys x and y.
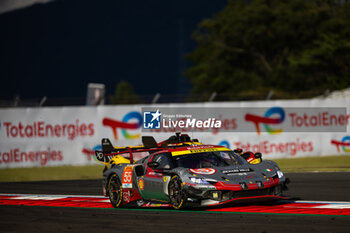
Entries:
{"x":176,"y":194}
{"x":115,"y":191}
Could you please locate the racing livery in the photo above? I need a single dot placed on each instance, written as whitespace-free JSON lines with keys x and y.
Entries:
{"x":182,"y":172}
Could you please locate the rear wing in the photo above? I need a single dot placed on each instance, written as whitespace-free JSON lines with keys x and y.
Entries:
{"x":107,"y":145}
{"x":109,"y":151}
{"x":107,"y":148}
{"x":149,"y":145}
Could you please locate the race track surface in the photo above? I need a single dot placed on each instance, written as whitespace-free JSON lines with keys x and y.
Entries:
{"x":304,"y":186}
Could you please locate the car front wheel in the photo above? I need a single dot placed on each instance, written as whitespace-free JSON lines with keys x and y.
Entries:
{"x":176,"y":194}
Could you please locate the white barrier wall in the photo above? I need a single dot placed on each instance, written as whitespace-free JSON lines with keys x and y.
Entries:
{"x":53,"y":136}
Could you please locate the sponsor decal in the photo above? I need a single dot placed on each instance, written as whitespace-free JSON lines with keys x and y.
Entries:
{"x":203,"y":171}
{"x":237,"y":174}
{"x":266,"y":120}
{"x":184,"y":152}
{"x":124,"y":125}
{"x":203,"y":150}
{"x":105,"y":142}
{"x":99,"y":155}
{"x":127,"y":177}
{"x":126,"y":196}
{"x":141,"y":184}
{"x":344,"y":144}
{"x":236,"y":170}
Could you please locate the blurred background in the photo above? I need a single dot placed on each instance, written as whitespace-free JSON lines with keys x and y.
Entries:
{"x":55,"y":48}
{"x":171,"y":51}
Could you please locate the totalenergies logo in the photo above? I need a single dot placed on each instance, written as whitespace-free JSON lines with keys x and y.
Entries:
{"x":125,"y":125}
{"x":91,"y":152}
{"x":344,"y":144}
{"x":224,"y":143}
{"x":267,"y":120}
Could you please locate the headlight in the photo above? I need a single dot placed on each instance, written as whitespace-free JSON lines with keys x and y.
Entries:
{"x":198,"y":180}
{"x":280,"y":174}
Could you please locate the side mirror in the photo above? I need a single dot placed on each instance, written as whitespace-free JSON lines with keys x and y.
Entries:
{"x":153,"y":165}
{"x":258,"y":155}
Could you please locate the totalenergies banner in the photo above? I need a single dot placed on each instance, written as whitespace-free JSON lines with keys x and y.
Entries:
{"x":32,"y":137}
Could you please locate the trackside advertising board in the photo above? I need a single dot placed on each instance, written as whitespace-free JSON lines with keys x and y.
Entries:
{"x":54,"y":136}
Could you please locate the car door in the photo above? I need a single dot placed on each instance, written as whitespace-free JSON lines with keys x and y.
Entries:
{"x":155,"y":179}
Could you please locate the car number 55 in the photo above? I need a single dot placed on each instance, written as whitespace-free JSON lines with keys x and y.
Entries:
{"x":127,"y":177}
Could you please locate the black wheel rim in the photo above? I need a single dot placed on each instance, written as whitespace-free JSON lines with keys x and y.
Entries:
{"x":175,"y":192}
{"x":114,"y":191}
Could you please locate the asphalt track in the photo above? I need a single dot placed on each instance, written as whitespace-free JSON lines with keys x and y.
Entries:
{"x":304,"y":186}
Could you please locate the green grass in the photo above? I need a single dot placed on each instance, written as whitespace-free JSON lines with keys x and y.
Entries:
{"x":311,"y":164}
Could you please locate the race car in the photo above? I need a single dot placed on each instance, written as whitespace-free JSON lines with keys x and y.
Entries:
{"x":181,"y":172}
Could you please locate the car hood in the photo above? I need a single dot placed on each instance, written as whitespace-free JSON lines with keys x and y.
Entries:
{"x":238,"y":173}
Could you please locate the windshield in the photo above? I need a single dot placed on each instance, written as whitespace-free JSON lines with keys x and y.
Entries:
{"x":209,"y":159}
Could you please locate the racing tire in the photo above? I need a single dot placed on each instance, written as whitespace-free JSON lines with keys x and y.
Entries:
{"x":115,"y":192}
{"x":176,"y":194}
